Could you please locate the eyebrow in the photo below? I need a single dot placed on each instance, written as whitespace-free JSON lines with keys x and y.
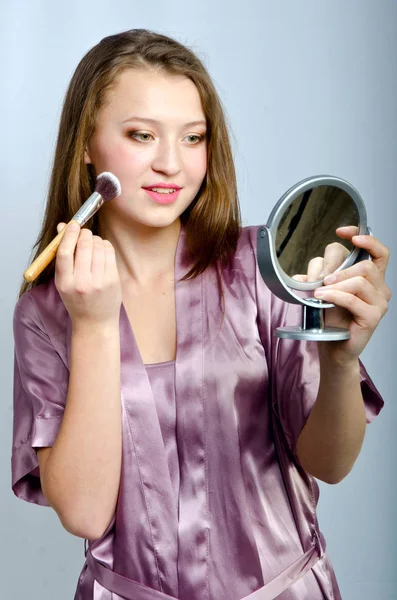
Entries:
{"x":154,"y":122}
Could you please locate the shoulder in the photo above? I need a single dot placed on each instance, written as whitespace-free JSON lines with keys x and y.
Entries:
{"x":42,"y":298}
{"x":246,"y":251}
{"x":245,"y":261}
{"x":242,"y":272}
{"x":43,"y":308}
{"x":247,"y":239}
{"x":244,"y":258}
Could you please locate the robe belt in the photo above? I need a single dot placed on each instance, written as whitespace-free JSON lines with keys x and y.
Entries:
{"x":132,"y":590}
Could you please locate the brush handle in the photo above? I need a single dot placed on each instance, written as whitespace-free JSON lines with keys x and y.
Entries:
{"x":44,"y":259}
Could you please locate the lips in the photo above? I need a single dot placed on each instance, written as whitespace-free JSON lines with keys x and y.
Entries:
{"x":160,"y":190}
{"x":163,"y":197}
{"x":162,"y":186}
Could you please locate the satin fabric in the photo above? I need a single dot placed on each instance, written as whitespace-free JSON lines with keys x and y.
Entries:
{"x":162,"y":381}
{"x":246,"y":509}
{"x":131,"y":590}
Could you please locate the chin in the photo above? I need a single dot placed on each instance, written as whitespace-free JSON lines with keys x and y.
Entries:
{"x":160,"y":221}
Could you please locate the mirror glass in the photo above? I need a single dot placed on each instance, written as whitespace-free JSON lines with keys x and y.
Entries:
{"x":308,"y":243}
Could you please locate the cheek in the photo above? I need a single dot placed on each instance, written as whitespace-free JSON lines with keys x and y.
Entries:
{"x":195,"y":165}
{"x":108,"y":153}
{"x":200,"y":166}
{"x":119,"y":158}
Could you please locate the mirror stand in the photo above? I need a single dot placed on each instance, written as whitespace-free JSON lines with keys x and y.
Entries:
{"x":312,"y":327}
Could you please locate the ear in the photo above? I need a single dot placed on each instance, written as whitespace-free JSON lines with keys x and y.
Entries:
{"x":87,"y":158}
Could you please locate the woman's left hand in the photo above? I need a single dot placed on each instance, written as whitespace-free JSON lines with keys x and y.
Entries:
{"x":360,"y":295}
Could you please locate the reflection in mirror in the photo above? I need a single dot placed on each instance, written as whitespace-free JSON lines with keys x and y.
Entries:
{"x":308,"y":246}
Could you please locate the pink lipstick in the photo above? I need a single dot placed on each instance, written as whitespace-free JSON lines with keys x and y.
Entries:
{"x":163,"y":197}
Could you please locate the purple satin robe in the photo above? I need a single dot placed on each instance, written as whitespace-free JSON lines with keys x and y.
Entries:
{"x":246,"y":510}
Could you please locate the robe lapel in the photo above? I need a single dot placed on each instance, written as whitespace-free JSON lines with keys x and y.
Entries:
{"x":147,"y":445}
{"x":193,"y":530}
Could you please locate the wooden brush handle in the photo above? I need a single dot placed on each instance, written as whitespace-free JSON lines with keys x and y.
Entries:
{"x":44,"y":259}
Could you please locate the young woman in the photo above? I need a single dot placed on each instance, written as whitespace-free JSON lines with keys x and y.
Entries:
{"x":155,"y":411}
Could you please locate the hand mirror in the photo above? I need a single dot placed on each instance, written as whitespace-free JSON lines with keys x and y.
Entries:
{"x":301,"y":244}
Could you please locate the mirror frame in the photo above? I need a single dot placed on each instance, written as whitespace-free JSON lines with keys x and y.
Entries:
{"x":274,"y":276}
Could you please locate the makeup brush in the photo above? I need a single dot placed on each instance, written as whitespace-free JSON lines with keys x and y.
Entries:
{"x":107,"y":187}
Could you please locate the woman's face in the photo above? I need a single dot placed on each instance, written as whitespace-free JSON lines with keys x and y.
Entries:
{"x":150,"y":132}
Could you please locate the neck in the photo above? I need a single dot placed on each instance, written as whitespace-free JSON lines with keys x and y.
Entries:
{"x":144,"y":254}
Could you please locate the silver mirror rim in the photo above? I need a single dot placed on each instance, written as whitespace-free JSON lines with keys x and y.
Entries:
{"x":286,"y":200}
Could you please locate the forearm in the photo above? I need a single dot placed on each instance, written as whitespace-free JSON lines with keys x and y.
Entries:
{"x":82,"y":474}
{"x":333,"y":434}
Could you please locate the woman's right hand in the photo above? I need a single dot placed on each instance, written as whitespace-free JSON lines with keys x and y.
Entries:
{"x":87,"y":278}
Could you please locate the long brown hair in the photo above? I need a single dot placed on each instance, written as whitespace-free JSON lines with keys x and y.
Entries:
{"x":212,"y":221}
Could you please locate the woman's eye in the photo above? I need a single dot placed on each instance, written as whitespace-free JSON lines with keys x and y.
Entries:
{"x":193,"y":139}
{"x":196,"y":138}
{"x":144,"y":137}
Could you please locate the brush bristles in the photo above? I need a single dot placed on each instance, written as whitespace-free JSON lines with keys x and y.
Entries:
{"x":108,"y":186}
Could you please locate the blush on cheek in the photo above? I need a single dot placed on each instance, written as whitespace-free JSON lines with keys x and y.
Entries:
{"x":125,"y":159}
{"x":111,"y":154}
{"x":200,"y":165}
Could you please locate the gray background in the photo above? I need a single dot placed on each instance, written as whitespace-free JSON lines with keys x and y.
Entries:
{"x":309,"y":87}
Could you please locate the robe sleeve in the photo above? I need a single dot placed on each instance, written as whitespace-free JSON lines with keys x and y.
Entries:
{"x":294,"y":366}
{"x":40,"y":387}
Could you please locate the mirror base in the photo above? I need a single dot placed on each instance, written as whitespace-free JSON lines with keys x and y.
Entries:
{"x":328,"y":334}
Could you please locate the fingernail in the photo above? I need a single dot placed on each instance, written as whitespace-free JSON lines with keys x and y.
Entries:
{"x":73,"y":227}
{"x":319,"y":292}
{"x":330,"y":279}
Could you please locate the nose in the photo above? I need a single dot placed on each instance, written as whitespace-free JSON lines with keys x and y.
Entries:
{"x":167,"y":158}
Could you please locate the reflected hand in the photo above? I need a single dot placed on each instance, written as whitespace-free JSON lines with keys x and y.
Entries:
{"x":334,"y":256}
